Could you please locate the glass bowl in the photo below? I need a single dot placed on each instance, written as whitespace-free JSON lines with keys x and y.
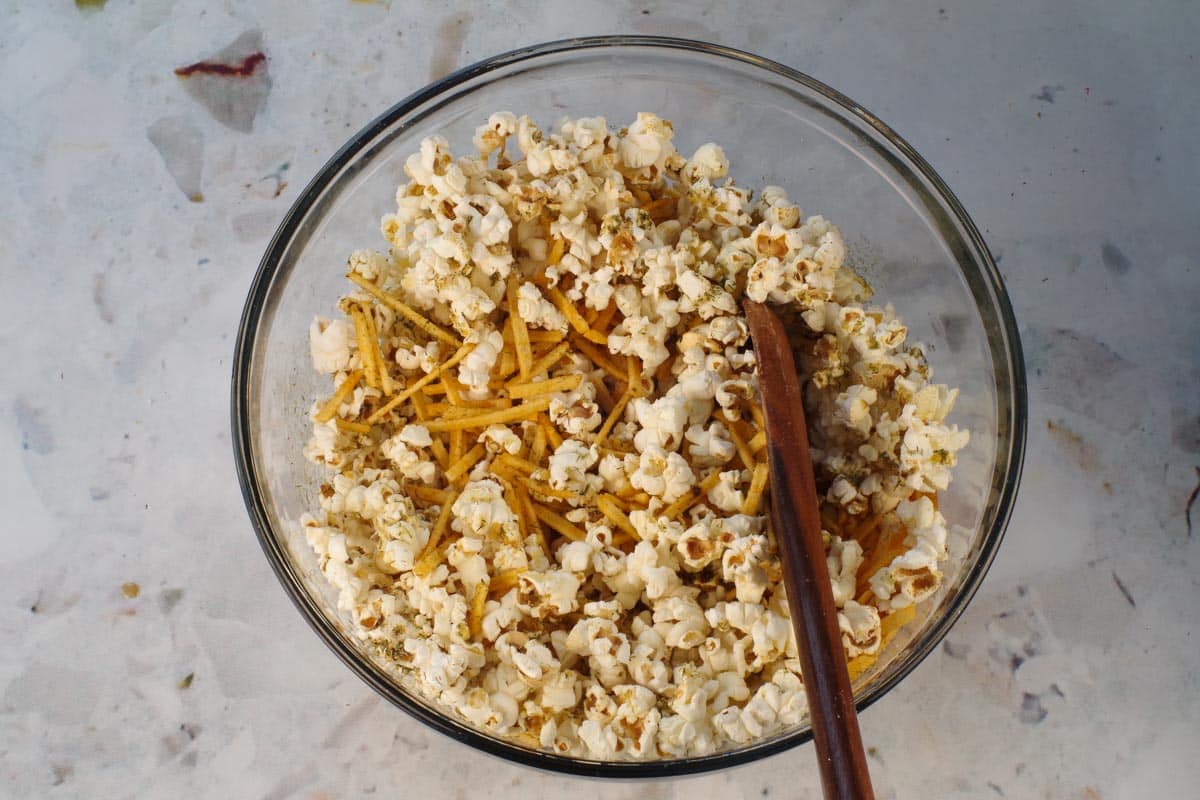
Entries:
{"x":906,"y":234}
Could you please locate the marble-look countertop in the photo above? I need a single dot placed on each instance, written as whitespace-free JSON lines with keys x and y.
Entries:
{"x":136,"y":206}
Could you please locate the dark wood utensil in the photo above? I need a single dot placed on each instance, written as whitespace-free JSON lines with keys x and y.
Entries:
{"x":796,"y":518}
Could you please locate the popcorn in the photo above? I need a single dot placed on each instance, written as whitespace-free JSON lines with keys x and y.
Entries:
{"x":725,"y":494}
{"x":500,"y":439}
{"x":537,"y":311}
{"x":329,"y":342}
{"x":586,"y":579}
{"x":662,"y":474}
{"x":844,"y":559}
{"x":481,"y":510}
{"x":860,"y":629}
{"x":662,"y":422}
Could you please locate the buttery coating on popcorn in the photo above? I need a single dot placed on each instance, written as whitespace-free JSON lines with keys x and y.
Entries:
{"x":546,"y":503}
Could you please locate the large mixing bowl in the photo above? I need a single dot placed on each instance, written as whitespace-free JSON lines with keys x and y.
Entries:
{"x":906,"y":234}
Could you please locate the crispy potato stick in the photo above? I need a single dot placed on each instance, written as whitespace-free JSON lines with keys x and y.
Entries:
{"x":617,"y":501}
{"x":476,"y":609}
{"x":430,"y":377}
{"x":414,"y":316}
{"x":460,"y":468}
{"x":366,"y":354}
{"x":620,"y":540}
{"x":620,"y":451}
{"x":661,"y":210}
{"x":758,"y":486}
{"x":544,"y":363}
{"x":535,"y":524}
{"x":527,"y":410}
{"x":609,"y":508}
{"x":757,"y":444}
{"x":352,"y":427}
{"x":743,"y":448}
{"x":505,"y":365}
{"x":544,"y":489}
{"x":756,"y":413}
{"x":604,"y":397}
{"x":603,"y":321}
{"x":440,"y":453}
{"x":613,"y":417}
{"x":634,"y":377}
{"x":692,"y":497}
{"x":428,"y":494}
{"x":431,"y":555}
{"x":573,"y":316}
{"x":373,"y":345}
{"x":517,"y":463}
{"x":546,"y":337}
{"x":503,"y":582}
{"x":420,"y":406}
{"x":340,"y":394}
{"x":858,"y":665}
{"x":514,"y":504}
{"x":520,"y":331}
{"x":537,"y":450}
{"x":386,"y":383}
{"x":458,"y":445}
{"x":558,"y":249}
{"x":453,"y":390}
{"x":565,"y":383}
{"x":559,"y":523}
{"x":599,"y":358}
{"x":554,"y":438}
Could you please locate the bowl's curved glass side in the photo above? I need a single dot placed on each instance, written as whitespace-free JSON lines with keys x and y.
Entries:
{"x":905,"y":236}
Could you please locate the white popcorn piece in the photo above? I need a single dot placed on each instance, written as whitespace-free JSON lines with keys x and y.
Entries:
{"x":480,"y":510}
{"x":860,"y":627}
{"x":329,"y":343}
{"x":659,"y":473}
{"x":407,"y":461}
{"x":500,"y":439}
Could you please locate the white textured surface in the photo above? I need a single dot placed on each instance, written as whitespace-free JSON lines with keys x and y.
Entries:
{"x":1069,"y":132}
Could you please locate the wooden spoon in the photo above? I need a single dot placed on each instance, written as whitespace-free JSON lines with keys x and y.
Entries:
{"x":796,"y":518}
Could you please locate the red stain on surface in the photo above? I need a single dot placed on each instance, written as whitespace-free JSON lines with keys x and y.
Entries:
{"x":242,"y":70}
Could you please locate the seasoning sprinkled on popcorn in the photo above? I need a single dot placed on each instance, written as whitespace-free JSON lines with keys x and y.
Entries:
{"x":547,"y":500}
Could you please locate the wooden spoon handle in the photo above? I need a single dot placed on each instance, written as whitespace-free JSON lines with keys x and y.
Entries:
{"x":796,"y":518}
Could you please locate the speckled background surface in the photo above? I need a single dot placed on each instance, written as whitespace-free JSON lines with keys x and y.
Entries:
{"x":135,"y":209}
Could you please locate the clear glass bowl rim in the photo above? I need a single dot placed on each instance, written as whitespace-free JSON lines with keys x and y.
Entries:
{"x":1015,"y":421}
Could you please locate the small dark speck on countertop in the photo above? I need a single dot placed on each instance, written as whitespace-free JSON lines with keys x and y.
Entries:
{"x":1191,"y":501}
{"x":62,"y":771}
{"x":169,"y":599}
{"x":995,"y":788}
{"x":953,"y":650}
{"x":1032,"y":712}
{"x":1114,"y":260}
{"x":1046,"y":95}
{"x":1121,"y":585}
